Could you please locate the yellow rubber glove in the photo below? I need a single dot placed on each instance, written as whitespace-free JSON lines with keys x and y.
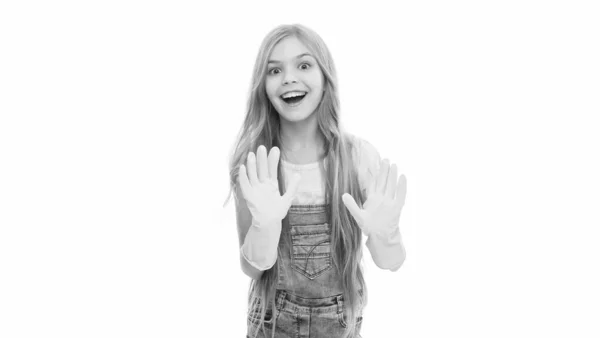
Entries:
{"x":385,"y":198}
{"x":260,"y":189}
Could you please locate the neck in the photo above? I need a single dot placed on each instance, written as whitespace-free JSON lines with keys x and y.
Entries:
{"x":301,"y":135}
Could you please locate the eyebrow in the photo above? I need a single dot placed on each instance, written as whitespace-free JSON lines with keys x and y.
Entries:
{"x":297,"y":57}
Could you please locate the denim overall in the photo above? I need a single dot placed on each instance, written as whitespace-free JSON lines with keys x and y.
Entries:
{"x":309,"y":297}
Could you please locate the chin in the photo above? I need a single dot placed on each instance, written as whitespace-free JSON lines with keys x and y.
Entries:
{"x":295,"y":116}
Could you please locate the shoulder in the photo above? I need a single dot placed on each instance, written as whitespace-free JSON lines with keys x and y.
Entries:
{"x":364,"y":152}
{"x":366,"y":158}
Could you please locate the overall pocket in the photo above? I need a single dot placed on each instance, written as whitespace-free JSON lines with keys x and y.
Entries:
{"x":255,"y":316}
{"x":311,"y":249}
{"x":344,"y":324}
{"x":254,"y":321}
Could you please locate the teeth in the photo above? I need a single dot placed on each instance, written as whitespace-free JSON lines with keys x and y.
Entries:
{"x":292,"y":94}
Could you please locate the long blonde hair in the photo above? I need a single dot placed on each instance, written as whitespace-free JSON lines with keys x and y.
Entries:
{"x":261,"y":127}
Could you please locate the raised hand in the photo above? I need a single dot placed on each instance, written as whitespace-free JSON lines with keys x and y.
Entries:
{"x":260,"y":187}
{"x":385,"y":199}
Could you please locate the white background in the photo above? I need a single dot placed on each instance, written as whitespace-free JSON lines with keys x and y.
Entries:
{"x":117,"y":119}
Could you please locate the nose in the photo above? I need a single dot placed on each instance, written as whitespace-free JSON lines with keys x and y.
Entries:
{"x":289,"y":77}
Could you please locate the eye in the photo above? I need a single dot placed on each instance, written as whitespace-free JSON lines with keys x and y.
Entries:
{"x":305,"y":66}
{"x":274,"y":71}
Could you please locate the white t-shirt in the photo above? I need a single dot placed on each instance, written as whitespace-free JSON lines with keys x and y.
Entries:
{"x":312,"y":184}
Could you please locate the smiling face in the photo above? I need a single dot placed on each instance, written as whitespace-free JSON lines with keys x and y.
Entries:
{"x":294,"y":82}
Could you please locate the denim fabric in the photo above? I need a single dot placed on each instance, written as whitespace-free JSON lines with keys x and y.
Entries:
{"x":309,"y":295}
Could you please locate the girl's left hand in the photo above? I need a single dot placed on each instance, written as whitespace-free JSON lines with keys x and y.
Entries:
{"x":385,"y":199}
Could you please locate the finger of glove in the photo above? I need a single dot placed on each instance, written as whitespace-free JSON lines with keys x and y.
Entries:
{"x":273,"y":162}
{"x":292,"y":188}
{"x":372,"y":186}
{"x":351,"y":205}
{"x":373,"y":182}
{"x":382,"y":176}
{"x":243,"y":181}
{"x":401,"y":191}
{"x":251,"y":167}
{"x":392,"y":178}
{"x":262,"y":164}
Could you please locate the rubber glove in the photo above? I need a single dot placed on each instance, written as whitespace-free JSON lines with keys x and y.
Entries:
{"x":385,"y":198}
{"x":260,"y":188}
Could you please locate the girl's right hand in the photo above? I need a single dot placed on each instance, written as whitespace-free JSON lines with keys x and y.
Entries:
{"x":260,"y":187}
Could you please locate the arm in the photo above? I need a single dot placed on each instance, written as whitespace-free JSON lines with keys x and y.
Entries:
{"x":248,"y":234}
{"x":385,"y":246}
{"x":260,"y":210}
{"x":387,"y":252}
{"x":244,"y":219}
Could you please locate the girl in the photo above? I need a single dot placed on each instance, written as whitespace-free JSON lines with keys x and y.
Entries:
{"x":301,"y":210}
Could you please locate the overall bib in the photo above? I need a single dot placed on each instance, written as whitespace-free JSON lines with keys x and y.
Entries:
{"x":309,"y":296}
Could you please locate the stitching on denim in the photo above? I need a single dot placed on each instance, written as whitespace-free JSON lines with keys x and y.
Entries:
{"x":309,"y":207}
{"x":304,"y":229}
{"x":304,"y":256}
{"x":315,"y":274}
{"x":314,"y":232}
{"x":311,"y":251}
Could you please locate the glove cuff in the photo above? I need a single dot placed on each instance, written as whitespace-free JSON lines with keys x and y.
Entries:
{"x":261,"y":243}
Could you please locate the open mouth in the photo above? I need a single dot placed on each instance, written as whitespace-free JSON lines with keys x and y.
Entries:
{"x":293,"y":98}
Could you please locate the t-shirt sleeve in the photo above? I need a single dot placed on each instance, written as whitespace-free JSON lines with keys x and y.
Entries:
{"x":368,"y":163}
